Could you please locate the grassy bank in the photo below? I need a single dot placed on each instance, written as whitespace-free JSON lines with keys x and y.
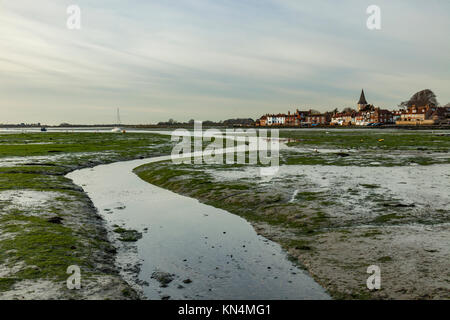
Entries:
{"x":47,"y":223}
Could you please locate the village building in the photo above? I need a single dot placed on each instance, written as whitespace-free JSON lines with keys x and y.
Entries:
{"x":370,"y":115}
{"x":276,"y":119}
{"x":292,"y":120}
{"x":396,"y":115}
{"x":261,"y":122}
{"x":318,"y":119}
{"x":343,"y":118}
{"x":296,"y":119}
{"x":301,"y":115}
{"x":365,"y":115}
{"x":384,"y":116}
{"x":423,"y":115}
{"x":447,"y":112}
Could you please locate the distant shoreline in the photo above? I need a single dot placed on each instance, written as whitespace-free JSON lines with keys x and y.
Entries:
{"x":186,"y":126}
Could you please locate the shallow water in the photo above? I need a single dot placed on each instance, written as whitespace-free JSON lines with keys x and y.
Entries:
{"x":220,"y":252}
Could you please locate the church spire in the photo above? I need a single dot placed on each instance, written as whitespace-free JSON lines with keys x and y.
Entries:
{"x":362,"y":99}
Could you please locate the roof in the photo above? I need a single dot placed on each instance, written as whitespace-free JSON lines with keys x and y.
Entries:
{"x":343,"y":114}
{"x":362,"y":99}
{"x":276,"y":115}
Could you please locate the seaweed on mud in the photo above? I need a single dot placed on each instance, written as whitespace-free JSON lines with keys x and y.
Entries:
{"x":128,"y":235}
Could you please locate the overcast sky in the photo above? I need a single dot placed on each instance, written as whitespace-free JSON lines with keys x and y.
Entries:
{"x":214,"y":59}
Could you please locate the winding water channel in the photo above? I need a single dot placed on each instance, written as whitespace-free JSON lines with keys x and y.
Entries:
{"x":219,"y":252}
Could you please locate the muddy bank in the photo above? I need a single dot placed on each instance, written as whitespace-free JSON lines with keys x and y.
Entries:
{"x":413,"y":260}
{"x":42,"y":233}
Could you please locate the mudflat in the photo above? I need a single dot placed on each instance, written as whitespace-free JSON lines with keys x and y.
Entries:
{"x":47,"y":223}
{"x":340,"y":202}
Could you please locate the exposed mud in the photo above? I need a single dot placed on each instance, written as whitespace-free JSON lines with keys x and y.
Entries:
{"x":339,"y":220}
{"x":413,"y":259}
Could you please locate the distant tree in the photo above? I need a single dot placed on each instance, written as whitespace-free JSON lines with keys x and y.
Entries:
{"x":348,"y":110}
{"x":334,"y":111}
{"x":420,"y":99}
{"x":239,"y":122}
{"x":171,"y":121}
{"x":313,"y":111}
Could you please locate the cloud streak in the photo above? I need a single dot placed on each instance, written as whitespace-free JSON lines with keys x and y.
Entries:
{"x":218,"y":59}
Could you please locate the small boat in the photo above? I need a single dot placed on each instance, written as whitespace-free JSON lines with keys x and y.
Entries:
{"x":118,"y":129}
{"x":43,"y":129}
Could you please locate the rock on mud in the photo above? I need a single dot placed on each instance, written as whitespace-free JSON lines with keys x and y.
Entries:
{"x":164,"y":278}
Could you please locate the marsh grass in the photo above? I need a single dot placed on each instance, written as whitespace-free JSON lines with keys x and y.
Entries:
{"x":43,"y":249}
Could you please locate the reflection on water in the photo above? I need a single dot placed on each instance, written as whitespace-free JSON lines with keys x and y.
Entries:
{"x":219,"y":252}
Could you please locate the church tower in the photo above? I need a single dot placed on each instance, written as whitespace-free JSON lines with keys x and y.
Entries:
{"x":362,"y":103}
